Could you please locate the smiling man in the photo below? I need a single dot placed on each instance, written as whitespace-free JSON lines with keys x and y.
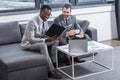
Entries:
{"x":76,"y":32}
{"x":34,"y":38}
{"x":65,"y":19}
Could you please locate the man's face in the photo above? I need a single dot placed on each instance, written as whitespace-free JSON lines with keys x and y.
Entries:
{"x":45,"y":14}
{"x":66,"y":12}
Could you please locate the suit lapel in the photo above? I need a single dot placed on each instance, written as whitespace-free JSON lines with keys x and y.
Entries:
{"x":70,"y":20}
{"x":62,"y":21}
{"x":38,"y":26}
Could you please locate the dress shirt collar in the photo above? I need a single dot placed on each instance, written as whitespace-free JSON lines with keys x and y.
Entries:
{"x":66,"y":18}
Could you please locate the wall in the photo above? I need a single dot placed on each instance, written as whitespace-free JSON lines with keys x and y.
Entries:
{"x":101,"y":17}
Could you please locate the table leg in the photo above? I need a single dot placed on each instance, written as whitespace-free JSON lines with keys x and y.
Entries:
{"x":73,"y":74}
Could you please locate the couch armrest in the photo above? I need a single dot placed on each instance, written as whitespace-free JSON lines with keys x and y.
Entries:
{"x":3,"y":71}
{"x":92,"y":32}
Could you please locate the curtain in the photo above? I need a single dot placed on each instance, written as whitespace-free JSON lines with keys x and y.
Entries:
{"x":117,"y":12}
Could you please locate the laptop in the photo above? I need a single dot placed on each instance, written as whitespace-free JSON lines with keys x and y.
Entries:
{"x":78,"y":46}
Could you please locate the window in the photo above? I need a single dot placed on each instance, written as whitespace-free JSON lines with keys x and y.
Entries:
{"x":84,"y":2}
{"x":58,"y":3}
{"x":8,"y":5}
{"x":24,"y":5}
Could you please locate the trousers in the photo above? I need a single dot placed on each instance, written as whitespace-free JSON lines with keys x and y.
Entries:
{"x":43,"y":48}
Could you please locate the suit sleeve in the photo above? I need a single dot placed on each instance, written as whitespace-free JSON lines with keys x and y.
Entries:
{"x":56,"y":21}
{"x":77,"y":26}
{"x":30,"y":33}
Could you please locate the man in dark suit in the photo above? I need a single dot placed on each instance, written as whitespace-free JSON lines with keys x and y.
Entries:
{"x":68,"y":20}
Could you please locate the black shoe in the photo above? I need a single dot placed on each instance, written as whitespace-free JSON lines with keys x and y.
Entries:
{"x":61,"y":64}
{"x":68,"y":60}
{"x":54,"y":74}
{"x":76,"y":59}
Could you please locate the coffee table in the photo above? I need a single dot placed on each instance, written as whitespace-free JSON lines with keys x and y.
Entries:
{"x":94,"y":49}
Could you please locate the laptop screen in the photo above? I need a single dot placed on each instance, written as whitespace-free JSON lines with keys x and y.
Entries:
{"x":78,"y":46}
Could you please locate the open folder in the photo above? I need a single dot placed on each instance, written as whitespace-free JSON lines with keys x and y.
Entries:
{"x":55,"y":30}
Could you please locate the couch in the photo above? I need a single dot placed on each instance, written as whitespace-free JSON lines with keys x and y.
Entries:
{"x":19,"y":64}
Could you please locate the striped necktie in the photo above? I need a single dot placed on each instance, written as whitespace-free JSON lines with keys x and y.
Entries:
{"x":43,"y":28}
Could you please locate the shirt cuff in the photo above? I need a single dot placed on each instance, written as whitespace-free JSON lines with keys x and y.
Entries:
{"x":44,"y":40}
{"x":67,"y":35}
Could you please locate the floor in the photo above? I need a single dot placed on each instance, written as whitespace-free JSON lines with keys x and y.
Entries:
{"x":113,"y":42}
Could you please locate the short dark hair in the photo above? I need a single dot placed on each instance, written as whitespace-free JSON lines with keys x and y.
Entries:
{"x":67,"y":6}
{"x":45,"y":7}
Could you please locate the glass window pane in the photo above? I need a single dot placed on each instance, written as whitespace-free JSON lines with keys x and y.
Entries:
{"x":110,"y":0}
{"x":56,"y":1}
{"x":16,"y":4}
{"x":89,"y":1}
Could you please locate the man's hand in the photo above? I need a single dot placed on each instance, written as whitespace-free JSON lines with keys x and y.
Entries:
{"x":59,"y":37}
{"x":50,"y":39}
{"x":71,"y":32}
{"x":80,"y":35}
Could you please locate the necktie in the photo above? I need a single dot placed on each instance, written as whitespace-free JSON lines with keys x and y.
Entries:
{"x":66,"y":22}
{"x":43,"y":28}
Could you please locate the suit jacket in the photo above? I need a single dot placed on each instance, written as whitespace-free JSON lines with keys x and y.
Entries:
{"x":70,"y":20}
{"x":33,"y":32}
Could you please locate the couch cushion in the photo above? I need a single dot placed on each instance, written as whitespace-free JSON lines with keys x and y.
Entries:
{"x":83,"y":24}
{"x":9,"y":32}
{"x":15,"y":58}
{"x":22,"y":29}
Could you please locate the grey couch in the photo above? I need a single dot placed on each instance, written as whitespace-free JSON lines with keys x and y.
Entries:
{"x":18,"y":64}
{"x":15,"y":63}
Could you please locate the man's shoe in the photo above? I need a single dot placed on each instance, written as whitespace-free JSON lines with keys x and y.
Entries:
{"x":76,"y":59}
{"x":54,"y":74}
{"x":61,"y":64}
{"x":68,"y":61}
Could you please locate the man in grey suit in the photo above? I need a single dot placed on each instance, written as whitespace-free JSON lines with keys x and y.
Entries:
{"x":35,"y":39}
{"x":68,"y":20}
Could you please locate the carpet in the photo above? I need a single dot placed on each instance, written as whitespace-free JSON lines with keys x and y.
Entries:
{"x":110,"y":75}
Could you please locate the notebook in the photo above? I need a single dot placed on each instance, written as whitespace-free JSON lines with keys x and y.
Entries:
{"x":78,"y":46}
{"x":57,"y":30}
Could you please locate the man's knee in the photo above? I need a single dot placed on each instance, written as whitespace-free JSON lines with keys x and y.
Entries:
{"x":42,"y":44}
